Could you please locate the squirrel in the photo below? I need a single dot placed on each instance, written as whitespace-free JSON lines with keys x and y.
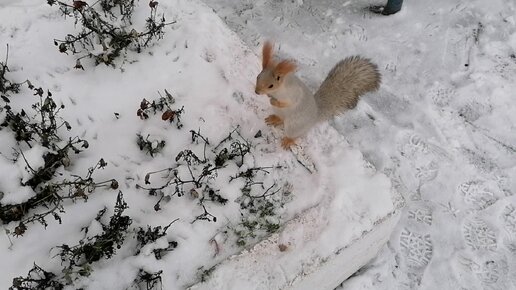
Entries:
{"x":294,"y":105}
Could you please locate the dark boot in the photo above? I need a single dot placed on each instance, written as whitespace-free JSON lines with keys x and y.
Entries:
{"x":392,"y":7}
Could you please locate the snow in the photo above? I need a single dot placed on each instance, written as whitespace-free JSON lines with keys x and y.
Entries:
{"x":441,"y":127}
{"x":440,"y":131}
{"x":313,"y":251}
{"x":12,"y":177}
{"x":34,"y":157}
{"x":210,"y":72}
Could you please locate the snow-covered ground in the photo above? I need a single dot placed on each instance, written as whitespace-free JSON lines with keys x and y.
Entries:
{"x":442,"y":127}
{"x":209,"y":71}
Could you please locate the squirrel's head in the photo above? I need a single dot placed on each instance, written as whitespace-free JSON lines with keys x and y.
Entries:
{"x":273,"y":74}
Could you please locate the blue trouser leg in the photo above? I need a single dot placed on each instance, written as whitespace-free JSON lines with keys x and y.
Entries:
{"x":392,"y":7}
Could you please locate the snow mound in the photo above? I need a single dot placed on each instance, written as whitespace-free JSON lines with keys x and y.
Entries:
{"x":210,"y":72}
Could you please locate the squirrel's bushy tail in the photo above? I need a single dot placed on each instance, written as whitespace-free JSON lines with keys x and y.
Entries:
{"x":345,"y":83}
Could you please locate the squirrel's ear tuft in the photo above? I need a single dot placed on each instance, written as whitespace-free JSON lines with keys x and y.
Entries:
{"x":266,"y":54}
{"x":285,"y":67}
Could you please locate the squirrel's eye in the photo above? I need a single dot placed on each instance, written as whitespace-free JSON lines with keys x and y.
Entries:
{"x":277,"y":78}
{"x":270,"y":87}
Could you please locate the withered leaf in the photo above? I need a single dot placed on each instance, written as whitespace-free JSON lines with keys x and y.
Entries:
{"x":194,"y":193}
{"x":62,"y":47}
{"x":79,"y":4}
{"x":20,"y":229}
{"x":39,"y":92}
{"x":144,"y":104}
{"x":168,"y":115}
{"x":153,"y":4}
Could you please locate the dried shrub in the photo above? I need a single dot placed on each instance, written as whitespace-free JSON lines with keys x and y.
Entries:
{"x":107,"y":24}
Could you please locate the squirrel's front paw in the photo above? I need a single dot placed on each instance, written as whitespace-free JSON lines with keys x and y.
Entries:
{"x":287,"y":142}
{"x":273,"y":120}
{"x":278,"y":104}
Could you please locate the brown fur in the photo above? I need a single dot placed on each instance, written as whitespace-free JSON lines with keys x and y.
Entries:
{"x":274,"y":120}
{"x":284,"y":67}
{"x":287,"y":142}
{"x":266,"y":54}
{"x":280,"y":104}
{"x":272,"y":75}
{"x":345,"y":83}
{"x":294,"y":105}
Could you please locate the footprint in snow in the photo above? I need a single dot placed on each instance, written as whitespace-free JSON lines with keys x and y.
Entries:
{"x":474,"y":194}
{"x":209,"y":56}
{"x":411,"y":145}
{"x":441,"y":97}
{"x":474,"y":110}
{"x":478,"y":235}
{"x":508,"y":216}
{"x":422,"y":215}
{"x":391,"y":67}
{"x":483,"y":163}
{"x":427,"y":172}
{"x":356,"y":31}
{"x":490,"y":271}
{"x":394,"y":108}
{"x":417,"y":249}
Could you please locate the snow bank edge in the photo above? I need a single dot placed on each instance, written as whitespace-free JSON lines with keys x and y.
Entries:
{"x":350,"y":258}
{"x":323,"y":273}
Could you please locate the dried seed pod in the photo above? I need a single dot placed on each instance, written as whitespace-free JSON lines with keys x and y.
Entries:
{"x":114,"y":184}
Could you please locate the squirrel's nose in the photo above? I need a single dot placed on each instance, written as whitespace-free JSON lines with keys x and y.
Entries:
{"x":256,"y":91}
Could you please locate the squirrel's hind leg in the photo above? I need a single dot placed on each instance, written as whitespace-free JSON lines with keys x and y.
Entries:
{"x":274,"y":120}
